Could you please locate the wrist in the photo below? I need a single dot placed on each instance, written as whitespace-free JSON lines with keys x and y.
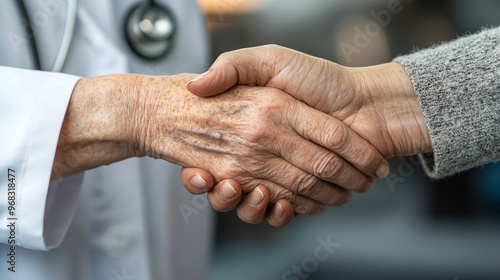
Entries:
{"x":97,"y":128}
{"x":390,"y":91}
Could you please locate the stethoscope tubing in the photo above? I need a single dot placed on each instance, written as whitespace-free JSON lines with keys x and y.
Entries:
{"x":69,"y":28}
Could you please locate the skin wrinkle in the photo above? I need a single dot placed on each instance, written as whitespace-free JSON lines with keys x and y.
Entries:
{"x":368,"y":99}
{"x":394,"y":110}
{"x":410,"y":124}
{"x":300,"y":86}
{"x":324,"y":82}
{"x":237,"y":135}
{"x":142,"y":124}
{"x":90,"y":136}
{"x":203,"y":128}
{"x":209,"y":132}
{"x":247,"y":162}
{"x":270,"y":62}
{"x":283,"y":127}
{"x":149,"y":104}
{"x":349,"y":93}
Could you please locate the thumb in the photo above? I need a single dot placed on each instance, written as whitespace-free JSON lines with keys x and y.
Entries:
{"x":251,"y":66}
{"x":216,"y":80}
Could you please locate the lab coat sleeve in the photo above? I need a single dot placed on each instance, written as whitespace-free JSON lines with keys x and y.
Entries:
{"x":32,"y":108}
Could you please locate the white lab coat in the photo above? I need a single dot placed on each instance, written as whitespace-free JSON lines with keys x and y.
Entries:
{"x":129,"y":220}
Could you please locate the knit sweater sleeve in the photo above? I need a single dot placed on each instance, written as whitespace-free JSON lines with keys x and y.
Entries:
{"x":458,"y":87}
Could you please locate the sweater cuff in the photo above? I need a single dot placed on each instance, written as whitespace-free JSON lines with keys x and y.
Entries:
{"x":458,"y":87}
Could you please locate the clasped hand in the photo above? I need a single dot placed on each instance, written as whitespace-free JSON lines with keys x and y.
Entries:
{"x":277,"y":132}
{"x":363,"y":115}
{"x":259,"y":137}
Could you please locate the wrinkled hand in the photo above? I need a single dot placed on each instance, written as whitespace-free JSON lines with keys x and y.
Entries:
{"x":378,"y":103}
{"x":260,"y":137}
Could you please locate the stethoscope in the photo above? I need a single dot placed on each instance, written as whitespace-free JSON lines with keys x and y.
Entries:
{"x":149,"y":31}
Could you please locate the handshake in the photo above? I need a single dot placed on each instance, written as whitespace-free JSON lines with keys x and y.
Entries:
{"x":278,"y":132}
{"x":290,"y":133}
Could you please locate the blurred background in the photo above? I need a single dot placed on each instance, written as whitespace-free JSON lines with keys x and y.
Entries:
{"x":408,"y":227}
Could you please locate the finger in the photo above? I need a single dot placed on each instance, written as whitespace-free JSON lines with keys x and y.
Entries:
{"x":196,"y":181}
{"x":285,"y":180}
{"x":281,"y":214}
{"x":301,"y":205}
{"x":323,"y":171}
{"x":253,"y":208}
{"x":337,"y":137}
{"x":225,"y":196}
{"x":245,"y":67}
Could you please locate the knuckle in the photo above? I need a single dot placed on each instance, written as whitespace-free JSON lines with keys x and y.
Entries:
{"x":224,"y":56}
{"x":258,"y":133}
{"x":261,"y":124}
{"x":336,"y":137}
{"x":280,"y":193}
{"x":257,"y":129}
{"x":328,"y":167}
{"x":306,"y":185}
{"x":273,"y":49}
{"x":300,"y":206}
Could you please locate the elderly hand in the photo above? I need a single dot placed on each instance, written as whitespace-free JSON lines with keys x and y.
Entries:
{"x":258,"y":136}
{"x":378,"y":103}
{"x":261,"y":137}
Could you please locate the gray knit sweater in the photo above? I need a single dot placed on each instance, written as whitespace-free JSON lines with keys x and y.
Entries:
{"x":458,"y":86}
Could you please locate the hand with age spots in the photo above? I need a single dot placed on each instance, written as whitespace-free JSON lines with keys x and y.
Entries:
{"x":273,"y":147}
{"x":374,"y":103}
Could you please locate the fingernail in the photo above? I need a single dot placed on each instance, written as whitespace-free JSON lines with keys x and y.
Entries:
{"x":278,"y":213}
{"x":198,"y":182}
{"x":382,"y":171}
{"x":201,"y":76}
{"x":256,"y":197}
{"x":227,"y":191}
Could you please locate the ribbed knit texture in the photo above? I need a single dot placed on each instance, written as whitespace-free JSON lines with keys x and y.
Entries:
{"x":458,"y":87}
